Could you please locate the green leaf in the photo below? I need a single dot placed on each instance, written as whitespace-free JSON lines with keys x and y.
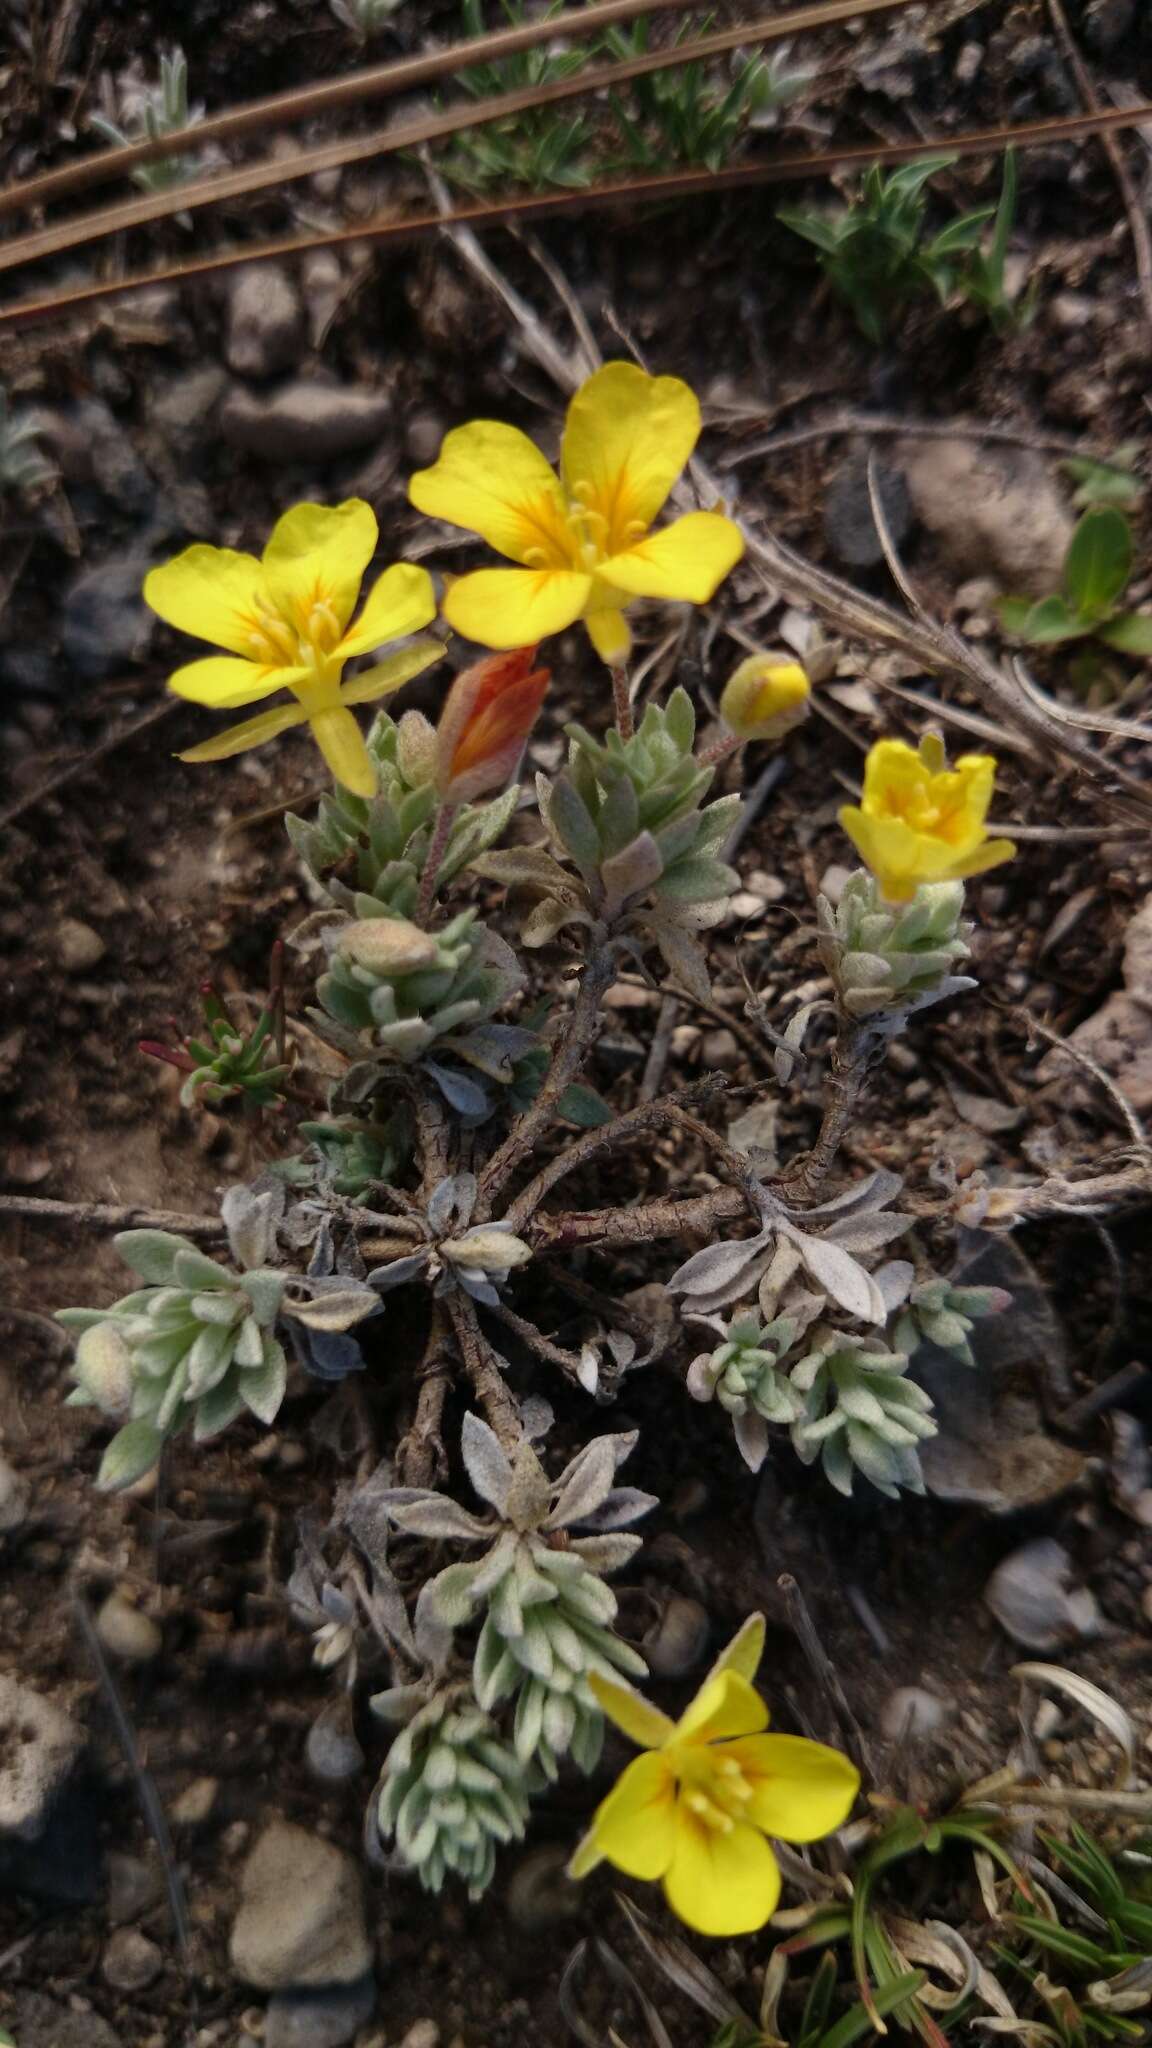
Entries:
{"x":857,"y":2023}
{"x":132,"y":1452}
{"x":1014,"y":612}
{"x":1099,"y":562}
{"x":151,"y":1253}
{"x":961,"y":234}
{"x":1128,"y":632}
{"x":581,"y":1105}
{"x":1052,"y":620}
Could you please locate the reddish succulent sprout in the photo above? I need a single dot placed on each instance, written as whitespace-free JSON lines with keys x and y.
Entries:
{"x":172,"y":1056}
{"x":487,"y":717}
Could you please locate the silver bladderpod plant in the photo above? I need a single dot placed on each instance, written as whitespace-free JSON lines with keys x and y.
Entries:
{"x":389,"y":834}
{"x":852,"y":1226}
{"x":547,"y":1612}
{"x":860,"y":1413}
{"x":936,"y":1312}
{"x":479,"y":1260}
{"x":745,"y":1375}
{"x":887,"y":960}
{"x":628,"y":817}
{"x":195,"y":1345}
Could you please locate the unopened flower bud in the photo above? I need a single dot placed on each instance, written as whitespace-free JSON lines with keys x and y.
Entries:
{"x":416,"y":748}
{"x":103,"y":1368}
{"x":765,"y":697}
{"x":388,"y":945}
{"x":488,"y":1248}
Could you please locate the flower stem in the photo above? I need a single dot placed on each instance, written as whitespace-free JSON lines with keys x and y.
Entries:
{"x":433,"y":860}
{"x":720,"y":750}
{"x":623,"y":703}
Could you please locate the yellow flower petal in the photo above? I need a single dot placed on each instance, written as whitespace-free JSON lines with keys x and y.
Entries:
{"x":225,"y":682}
{"x":252,"y":732}
{"x":976,"y":774}
{"x":802,"y":1790}
{"x":627,"y":439}
{"x":685,"y":560}
{"x":317,"y":555}
{"x":610,"y":635}
{"x":725,"y":1705}
{"x":399,"y":602}
{"x":515,"y":607}
{"x":744,"y":1652}
{"x":341,"y":742}
{"x":719,"y":1883}
{"x":211,"y":593}
{"x":990,"y":855}
{"x":587,"y":1856}
{"x":643,"y":1723}
{"x":636,"y":1826}
{"x":492,"y":479}
{"x":391,"y":673}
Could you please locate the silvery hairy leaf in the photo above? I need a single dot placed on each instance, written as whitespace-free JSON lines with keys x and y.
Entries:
{"x":588,"y":1370}
{"x":607,"y":1553}
{"x":451,"y":1593}
{"x":397,"y":1272}
{"x":570,"y":821}
{"x":433,"y":1636}
{"x":751,"y":1433}
{"x":524,"y":867}
{"x":548,"y":918}
{"x":584,"y":1484}
{"x":868,"y":1232}
{"x":894,"y":1279}
{"x":152,"y":1254}
{"x":451,"y":1203}
{"x":720,"y":1270}
{"x":338,"y":1307}
{"x":439,"y":1518}
{"x":683,"y":956}
{"x":385,"y":1608}
{"x":474,"y":1283}
{"x":875,"y":1191}
{"x":536,"y":1417}
{"x":470,"y":1099}
{"x":624,"y":1504}
{"x":787,"y":1056}
{"x":839,"y":1274}
{"x":485,"y":1462}
{"x":630,"y":872}
{"x":251,"y":1216}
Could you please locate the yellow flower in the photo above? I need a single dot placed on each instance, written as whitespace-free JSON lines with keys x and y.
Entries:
{"x":582,"y":538}
{"x":697,"y":1808}
{"x":765,"y":697}
{"x":285,"y":622}
{"x":921,"y":821}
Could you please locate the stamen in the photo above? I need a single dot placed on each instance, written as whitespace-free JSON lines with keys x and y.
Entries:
{"x":535,"y":558}
{"x":634,"y":530}
{"x":323,"y":626}
{"x":583,"y":492}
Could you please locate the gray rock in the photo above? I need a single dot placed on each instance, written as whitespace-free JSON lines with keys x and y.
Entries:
{"x":104,"y":621}
{"x":265,"y":321}
{"x":78,"y":947}
{"x":304,"y":421}
{"x":422,"y":2034}
{"x":301,"y":1918}
{"x":332,"y":1751}
{"x":1029,"y":1593}
{"x":91,"y":447}
{"x":324,"y":282}
{"x":991,"y":511}
{"x":130,"y":1961}
{"x":39,"y":1744}
{"x":126,"y":1632}
{"x":183,"y":408}
{"x":135,"y":1885}
{"x":678,"y":1643}
{"x":319,"y":2019}
{"x":39,"y":2022}
{"x":423,"y":434}
{"x":911,"y":1714}
{"x":14,"y":1497}
{"x":849,"y":527}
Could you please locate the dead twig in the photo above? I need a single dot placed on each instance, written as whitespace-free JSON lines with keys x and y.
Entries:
{"x":482,"y":1367}
{"x":541,"y":1346}
{"x":577,"y":1033}
{"x":110,"y":1215}
{"x":420,"y":1455}
{"x":824,"y":1671}
{"x":831,"y":426}
{"x":646,"y":1116}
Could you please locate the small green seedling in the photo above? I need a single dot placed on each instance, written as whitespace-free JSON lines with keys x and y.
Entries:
{"x":229,"y":1061}
{"x":1097,"y":571}
{"x":878,"y":256}
{"x":541,"y":147}
{"x":151,"y":113}
{"x":1105,"y":483}
{"x":691,"y":114}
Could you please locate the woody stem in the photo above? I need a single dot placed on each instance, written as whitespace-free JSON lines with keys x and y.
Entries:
{"x":622,"y":702}
{"x":432,"y":861}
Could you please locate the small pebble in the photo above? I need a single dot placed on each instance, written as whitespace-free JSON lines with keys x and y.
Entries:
{"x":130,"y":1961}
{"x":126,"y":1632}
{"x":425,"y":2034}
{"x":911,"y":1713}
{"x":196,"y":1803}
{"x":678,"y":1643}
{"x":134,"y":1886}
{"x":78,"y":947}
